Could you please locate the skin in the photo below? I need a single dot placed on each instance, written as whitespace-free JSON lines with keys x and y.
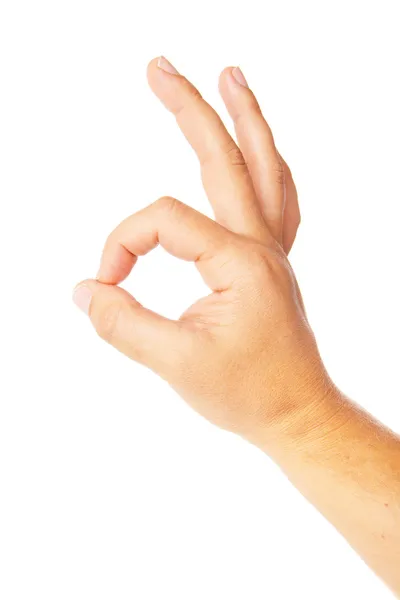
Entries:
{"x":245,"y":357}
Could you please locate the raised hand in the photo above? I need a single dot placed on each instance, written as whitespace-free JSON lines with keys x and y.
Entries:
{"x":244,"y":356}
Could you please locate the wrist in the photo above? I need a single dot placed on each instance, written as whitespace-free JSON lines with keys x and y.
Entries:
{"x":310,"y":420}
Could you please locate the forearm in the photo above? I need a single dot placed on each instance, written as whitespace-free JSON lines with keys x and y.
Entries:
{"x":244,"y":356}
{"x":348,"y":465}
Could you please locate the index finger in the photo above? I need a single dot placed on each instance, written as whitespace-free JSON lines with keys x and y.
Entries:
{"x":182,"y":231}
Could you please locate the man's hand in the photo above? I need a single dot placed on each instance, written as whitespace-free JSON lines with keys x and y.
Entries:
{"x":244,"y":356}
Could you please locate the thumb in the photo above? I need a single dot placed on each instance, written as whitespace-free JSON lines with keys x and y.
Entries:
{"x":144,"y":336}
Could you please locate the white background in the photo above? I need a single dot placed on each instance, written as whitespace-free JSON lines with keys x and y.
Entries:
{"x":111,"y":488}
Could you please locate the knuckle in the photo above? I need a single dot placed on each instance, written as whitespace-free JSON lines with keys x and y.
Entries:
{"x":263,"y":265}
{"x":294,"y":214}
{"x":106,"y":322}
{"x":258,"y":258}
{"x":191,"y":94}
{"x":234,"y":155}
{"x":279,"y":171}
{"x":167,"y":204}
{"x":251,"y":110}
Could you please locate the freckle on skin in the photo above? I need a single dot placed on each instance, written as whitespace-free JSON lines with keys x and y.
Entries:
{"x":383,"y":536}
{"x":386,"y":505}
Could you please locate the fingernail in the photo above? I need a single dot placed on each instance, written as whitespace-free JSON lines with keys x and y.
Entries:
{"x":165,"y":65}
{"x":240,"y":78}
{"x":82,"y":296}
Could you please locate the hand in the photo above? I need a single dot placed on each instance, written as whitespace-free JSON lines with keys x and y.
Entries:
{"x":244,"y":357}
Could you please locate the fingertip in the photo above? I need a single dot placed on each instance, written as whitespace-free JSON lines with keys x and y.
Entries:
{"x":231,"y":92}
{"x":165,"y":82}
{"x":153,"y":62}
{"x":225,"y":77}
{"x":115,"y":265}
{"x":152,"y":67}
{"x":226,"y":72}
{"x":233,"y":78}
{"x":82,"y":295}
{"x":161,"y":69}
{"x":234,"y":90}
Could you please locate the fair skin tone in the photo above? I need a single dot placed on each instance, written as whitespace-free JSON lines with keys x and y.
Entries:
{"x":244,"y":356}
